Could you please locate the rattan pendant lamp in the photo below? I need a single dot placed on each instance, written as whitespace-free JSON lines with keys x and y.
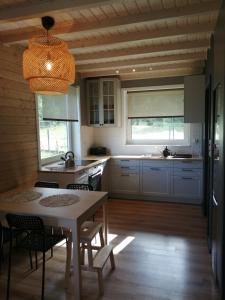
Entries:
{"x":47,"y":63}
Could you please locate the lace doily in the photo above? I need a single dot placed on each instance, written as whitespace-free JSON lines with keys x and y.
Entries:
{"x":59,"y":200}
{"x":26,"y":196}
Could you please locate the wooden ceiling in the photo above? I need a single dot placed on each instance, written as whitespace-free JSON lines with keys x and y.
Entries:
{"x":129,"y":38}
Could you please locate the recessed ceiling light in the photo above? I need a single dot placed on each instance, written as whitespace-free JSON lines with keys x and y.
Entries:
{"x":117,"y":71}
{"x":133,"y":70}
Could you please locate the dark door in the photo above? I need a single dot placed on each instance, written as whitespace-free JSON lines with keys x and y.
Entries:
{"x":215,"y":201}
{"x":208,"y":163}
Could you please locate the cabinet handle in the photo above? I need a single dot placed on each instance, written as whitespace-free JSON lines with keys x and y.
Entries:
{"x":155,"y":169}
{"x":125,"y":175}
{"x":187,"y":178}
{"x":215,"y":203}
{"x":187,"y":170}
{"x":125,"y":167}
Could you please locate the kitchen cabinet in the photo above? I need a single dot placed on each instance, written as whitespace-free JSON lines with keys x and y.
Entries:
{"x":194,"y":99}
{"x":156,"y":177}
{"x":164,"y":179}
{"x":61,"y":178}
{"x":76,"y":176}
{"x":187,"y":181}
{"x":103,"y":99}
{"x":125,"y":176}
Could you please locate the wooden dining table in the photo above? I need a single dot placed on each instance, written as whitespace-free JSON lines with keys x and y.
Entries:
{"x":68,"y":216}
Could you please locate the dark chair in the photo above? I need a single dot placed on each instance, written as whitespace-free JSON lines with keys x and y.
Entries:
{"x":34,"y":238}
{"x":47,"y":184}
{"x":79,"y":186}
{"x":4,"y":238}
{"x":49,"y":229}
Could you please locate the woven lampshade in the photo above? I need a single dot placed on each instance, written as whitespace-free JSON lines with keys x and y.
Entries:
{"x":48,"y":65}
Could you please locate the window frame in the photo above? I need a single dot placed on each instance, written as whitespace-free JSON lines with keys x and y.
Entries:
{"x":127,"y":122}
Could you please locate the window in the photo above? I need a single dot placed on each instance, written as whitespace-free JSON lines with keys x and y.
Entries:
{"x":54,"y":136}
{"x":156,"y":118}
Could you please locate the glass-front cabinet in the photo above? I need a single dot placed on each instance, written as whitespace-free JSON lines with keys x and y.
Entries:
{"x":102,"y":101}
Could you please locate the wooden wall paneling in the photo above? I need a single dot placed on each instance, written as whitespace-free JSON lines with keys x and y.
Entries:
{"x":18,"y":138}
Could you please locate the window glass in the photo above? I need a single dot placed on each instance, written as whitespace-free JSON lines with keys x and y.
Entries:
{"x":167,"y":128}
{"x":53,"y":136}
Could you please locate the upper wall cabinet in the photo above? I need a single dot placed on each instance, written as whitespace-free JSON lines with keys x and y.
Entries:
{"x":103,"y":99}
{"x":194,"y":99}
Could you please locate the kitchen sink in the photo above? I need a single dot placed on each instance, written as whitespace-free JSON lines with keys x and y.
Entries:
{"x":84,"y":162}
{"x":80,"y":162}
{"x":184,"y":155}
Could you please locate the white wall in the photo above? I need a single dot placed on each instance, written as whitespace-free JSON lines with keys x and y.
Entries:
{"x":87,"y":139}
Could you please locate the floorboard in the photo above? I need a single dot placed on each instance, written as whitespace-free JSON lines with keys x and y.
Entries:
{"x":160,"y":253}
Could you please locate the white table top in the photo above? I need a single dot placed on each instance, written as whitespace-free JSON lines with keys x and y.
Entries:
{"x":88,"y":200}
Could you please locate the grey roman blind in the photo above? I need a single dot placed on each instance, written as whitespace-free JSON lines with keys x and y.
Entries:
{"x":61,"y":108}
{"x":157,"y":103}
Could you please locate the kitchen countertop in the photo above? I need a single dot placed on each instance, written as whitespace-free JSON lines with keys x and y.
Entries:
{"x":58,"y":168}
{"x":155,"y":157}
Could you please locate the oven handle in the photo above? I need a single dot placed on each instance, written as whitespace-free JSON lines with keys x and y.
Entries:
{"x":95,"y":174}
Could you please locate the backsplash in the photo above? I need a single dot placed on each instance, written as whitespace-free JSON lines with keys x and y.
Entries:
{"x":113,"y":140}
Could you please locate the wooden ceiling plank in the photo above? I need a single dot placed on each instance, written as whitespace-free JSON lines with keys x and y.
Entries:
{"x":160,"y":74}
{"x":34,"y":9}
{"x":140,"y":35}
{"x":142,"y":61}
{"x":108,"y":23}
{"x":144,"y":49}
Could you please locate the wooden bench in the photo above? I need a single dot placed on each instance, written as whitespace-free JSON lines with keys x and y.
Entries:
{"x":99,"y":262}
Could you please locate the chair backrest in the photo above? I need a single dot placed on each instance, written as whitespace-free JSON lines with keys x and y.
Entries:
{"x":1,"y":236}
{"x":25,"y":222}
{"x":47,"y":184}
{"x":95,"y":181}
{"x":79,"y":186}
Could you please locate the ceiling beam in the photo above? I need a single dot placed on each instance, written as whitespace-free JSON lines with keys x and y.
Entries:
{"x":95,"y":56}
{"x":38,"y":8}
{"x":166,"y":66}
{"x":129,"y":37}
{"x":162,"y":74}
{"x":10,"y":36}
{"x":148,"y":61}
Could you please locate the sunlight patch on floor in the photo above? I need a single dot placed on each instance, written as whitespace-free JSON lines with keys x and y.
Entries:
{"x":123,"y":244}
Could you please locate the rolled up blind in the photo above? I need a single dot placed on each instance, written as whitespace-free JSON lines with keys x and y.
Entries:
{"x":157,"y":103}
{"x":61,"y":108}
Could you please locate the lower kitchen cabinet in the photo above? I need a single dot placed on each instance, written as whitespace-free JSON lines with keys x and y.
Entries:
{"x":187,"y":181}
{"x":163,"y":180}
{"x":189,"y":187}
{"x":156,"y":181}
{"x":124,"y":176}
{"x":61,"y":178}
{"x":125,"y":183}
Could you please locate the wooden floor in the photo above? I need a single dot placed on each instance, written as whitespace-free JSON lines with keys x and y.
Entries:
{"x":161,"y":254}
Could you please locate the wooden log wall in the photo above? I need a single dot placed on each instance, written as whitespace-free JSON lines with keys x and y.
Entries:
{"x":18,"y":137}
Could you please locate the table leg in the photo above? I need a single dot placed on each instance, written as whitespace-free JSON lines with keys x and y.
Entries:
{"x":76,"y":261}
{"x":105,"y":221}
